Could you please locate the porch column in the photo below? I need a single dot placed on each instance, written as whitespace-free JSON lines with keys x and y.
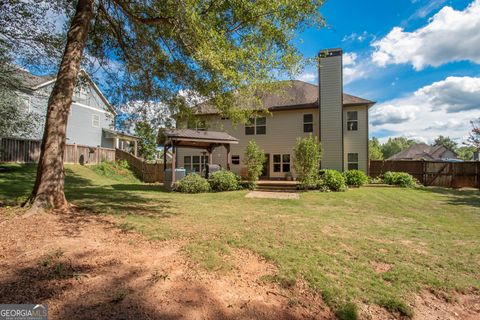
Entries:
{"x":117,"y":142}
{"x":174,"y":160}
{"x":135,"y":147}
{"x":165,"y":149}
{"x":210,"y":155}
{"x":228,"y":156}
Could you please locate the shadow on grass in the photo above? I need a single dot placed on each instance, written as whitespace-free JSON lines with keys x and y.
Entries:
{"x":458,"y":197}
{"x":16,"y":180}
{"x":140,"y":187}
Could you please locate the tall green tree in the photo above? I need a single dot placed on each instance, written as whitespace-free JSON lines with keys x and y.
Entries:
{"x":217,"y":49}
{"x":307,"y":156}
{"x":447,"y":142}
{"x":375,"y":149}
{"x":147,"y":144}
{"x":466,"y":152}
{"x":254,"y":160}
{"x":395,"y":145}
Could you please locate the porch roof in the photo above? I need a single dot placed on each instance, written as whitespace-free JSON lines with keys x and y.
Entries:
{"x":197,"y":139}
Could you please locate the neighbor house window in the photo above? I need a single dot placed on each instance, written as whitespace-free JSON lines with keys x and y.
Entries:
{"x":195,"y":163}
{"x":256,"y":126}
{"x":281,"y":163}
{"x":308,"y":123}
{"x":353,"y":161}
{"x":352,"y":120}
{"x":95,"y":120}
{"x":235,"y":159}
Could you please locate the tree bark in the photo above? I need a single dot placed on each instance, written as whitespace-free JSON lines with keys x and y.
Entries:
{"x":48,"y":191}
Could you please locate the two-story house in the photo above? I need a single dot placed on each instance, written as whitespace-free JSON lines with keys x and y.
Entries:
{"x":339,"y":120}
{"x":91,"y":121}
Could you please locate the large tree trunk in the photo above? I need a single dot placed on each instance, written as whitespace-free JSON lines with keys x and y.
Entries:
{"x":48,"y":191}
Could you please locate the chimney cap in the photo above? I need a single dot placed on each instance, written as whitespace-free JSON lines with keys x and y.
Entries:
{"x":326,"y":53}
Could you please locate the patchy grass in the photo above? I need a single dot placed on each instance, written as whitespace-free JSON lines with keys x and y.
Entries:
{"x":428,"y":237}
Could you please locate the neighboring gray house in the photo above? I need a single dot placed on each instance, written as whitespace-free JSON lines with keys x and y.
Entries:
{"x":423,"y":151}
{"x":339,"y":120}
{"x":92,"y":119}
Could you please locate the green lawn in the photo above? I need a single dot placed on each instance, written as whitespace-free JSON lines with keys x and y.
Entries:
{"x":371,"y":245}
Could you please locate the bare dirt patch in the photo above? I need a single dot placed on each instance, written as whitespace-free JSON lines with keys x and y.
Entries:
{"x":85,"y":267}
{"x":272,"y":195}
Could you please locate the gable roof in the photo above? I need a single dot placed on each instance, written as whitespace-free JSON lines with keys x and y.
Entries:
{"x":292,"y":94}
{"x":34,"y":82}
{"x":421,"y":151}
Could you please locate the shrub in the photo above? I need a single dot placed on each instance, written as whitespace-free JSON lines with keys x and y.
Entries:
{"x":401,"y":179}
{"x":192,"y":183}
{"x":332,"y":180}
{"x":224,"y":181}
{"x":307,"y":155}
{"x":254,"y":160}
{"x":355,"y":178}
{"x":247,"y":185}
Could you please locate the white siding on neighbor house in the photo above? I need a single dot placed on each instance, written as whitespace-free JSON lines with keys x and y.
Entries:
{"x":357,"y":141}
{"x":283,"y":130}
{"x":330,"y":84}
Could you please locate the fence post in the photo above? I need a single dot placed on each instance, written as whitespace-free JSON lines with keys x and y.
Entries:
{"x":75,"y":154}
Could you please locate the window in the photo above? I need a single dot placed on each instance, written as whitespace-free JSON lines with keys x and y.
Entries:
{"x":353,"y":161}
{"x":95,"y":120}
{"x":308,"y":123}
{"x":256,"y":126}
{"x":235,"y":159}
{"x":281,"y":163}
{"x":352,"y":120}
{"x":195,"y":163}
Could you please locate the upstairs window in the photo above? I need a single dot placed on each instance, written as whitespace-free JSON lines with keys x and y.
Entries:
{"x":281,"y":163}
{"x":353,"y":161}
{"x":308,"y":122}
{"x":256,"y":126}
{"x":352,"y":120}
{"x":95,"y":120}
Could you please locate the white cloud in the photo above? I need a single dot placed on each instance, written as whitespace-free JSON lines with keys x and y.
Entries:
{"x":308,"y":77}
{"x":450,"y":35}
{"x":349,"y":58}
{"x":353,"y":69}
{"x":442,"y":108}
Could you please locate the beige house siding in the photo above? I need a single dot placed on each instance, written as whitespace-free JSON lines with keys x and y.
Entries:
{"x":282,"y":131}
{"x":331,"y":112}
{"x":356,"y":141}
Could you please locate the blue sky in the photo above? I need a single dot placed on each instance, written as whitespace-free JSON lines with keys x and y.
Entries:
{"x":419,"y":59}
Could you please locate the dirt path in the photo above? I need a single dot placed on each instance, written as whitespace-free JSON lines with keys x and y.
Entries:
{"x":84,"y":267}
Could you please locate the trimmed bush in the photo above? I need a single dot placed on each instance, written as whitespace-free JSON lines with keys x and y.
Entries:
{"x":224,"y":180}
{"x":332,"y":180}
{"x":401,"y":179}
{"x":192,"y":183}
{"x":307,"y":156}
{"x":355,"y":178}
{"x":254,"y":160}
{"x":247,"y":185}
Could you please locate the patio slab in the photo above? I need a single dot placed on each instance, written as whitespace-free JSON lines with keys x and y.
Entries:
{"x":272,"y":195}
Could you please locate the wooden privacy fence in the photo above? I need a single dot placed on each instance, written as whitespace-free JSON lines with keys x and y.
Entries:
{"x":433,"y":173}
{"x":28,"y":151}
{"x":147,"y":172}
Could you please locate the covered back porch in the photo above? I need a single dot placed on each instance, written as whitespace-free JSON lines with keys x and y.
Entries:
{"x":196,"y":139}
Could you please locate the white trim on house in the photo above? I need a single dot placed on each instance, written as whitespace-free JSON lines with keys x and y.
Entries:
{"x":89,"y":107}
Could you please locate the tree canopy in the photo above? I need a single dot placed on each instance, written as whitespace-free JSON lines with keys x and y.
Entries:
{"x":447,"y":142}
{"x":395,"y":145}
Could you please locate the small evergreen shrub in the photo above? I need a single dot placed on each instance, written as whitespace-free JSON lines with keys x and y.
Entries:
{"x":355,"y":178}
{"x":247,"y":185}
{"x":332,"y":180}
{"x":401,"y":179}
{"x":224,"y":181}
{"x":192,"y":183}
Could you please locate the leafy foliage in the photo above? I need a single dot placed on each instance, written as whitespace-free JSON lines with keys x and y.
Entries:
{"x":375,"y":149}
{"x":466,"y":152}
{"x":147,"y":145}
{"x":474,"y":137}
{"x":447,"y":142}
{"x":224,"y":180}
{"x":254,"y":160}
{"x":332,"y":180}
{"x":192,"y":183}
{"x":15,"y":119}
{"x":307,"y":156}
{"x":356,"y":178}
{"x":401,"y":179}
{"x":395,"y":145}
